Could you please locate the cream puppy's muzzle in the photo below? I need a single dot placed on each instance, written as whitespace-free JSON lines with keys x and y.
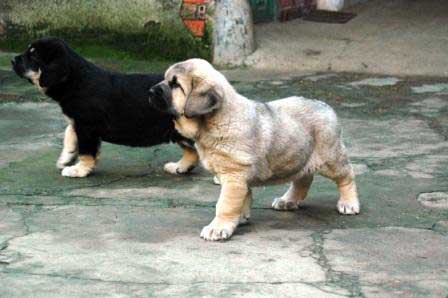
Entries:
{"x":247,"y":143}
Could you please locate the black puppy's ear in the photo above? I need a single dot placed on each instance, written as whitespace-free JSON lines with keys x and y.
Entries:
{"x":53,"y":74}
{"x":55,"y":68}
{"x":202,"y":104}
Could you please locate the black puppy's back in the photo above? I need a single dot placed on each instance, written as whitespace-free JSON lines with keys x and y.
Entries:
{"x":113,"y":106}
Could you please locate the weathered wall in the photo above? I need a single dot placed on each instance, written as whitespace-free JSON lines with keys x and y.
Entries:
{"x":145,"y":28}
{"x":233,"y":36}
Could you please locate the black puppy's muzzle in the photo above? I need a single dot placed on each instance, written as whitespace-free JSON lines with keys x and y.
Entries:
{"x":153,"y":93}
{"x":18,"y":65}
{"x":160,"y":97}
{"x":17,"y":60}
{"x":158,"y":91}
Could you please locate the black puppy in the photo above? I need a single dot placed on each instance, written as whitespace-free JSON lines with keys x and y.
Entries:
{"x":99,"y":106}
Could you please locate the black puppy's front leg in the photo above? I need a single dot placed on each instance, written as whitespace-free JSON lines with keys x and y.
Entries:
{"x":189,"y":161}
{"x":88,"y":150}
{"x":70,"y":150}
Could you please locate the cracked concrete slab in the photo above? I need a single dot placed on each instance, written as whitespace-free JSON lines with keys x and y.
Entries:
{"x":20,"y":136}
{"x":441,"y":227}
{"x":391,"y":261}
{"x":156,"y":246}
{"x":404,"y":137}
{"x":434,"y":200}
{"x":72,"y":287}
{"x":316,"y":78}
{"x":10,"y":226}
{"x":376,"y":82}
{"x":429,"y":105}
{"x":131,"y":229}
{"x":431,"y":88}
{"x":203,"y":192}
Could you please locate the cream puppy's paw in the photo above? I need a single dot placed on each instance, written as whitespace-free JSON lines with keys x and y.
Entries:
{"x":244,"y":218}
{"x":216,"y":180}
{"x":348,"y":208}
{"x":176,"y":168}
{"x":282,"y":204}
{"x":218,"y":230}
{"x":76,"y":171}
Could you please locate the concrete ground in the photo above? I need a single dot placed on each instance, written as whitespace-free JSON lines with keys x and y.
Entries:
{"x":399,"y":37}
{"x":132,"y":230}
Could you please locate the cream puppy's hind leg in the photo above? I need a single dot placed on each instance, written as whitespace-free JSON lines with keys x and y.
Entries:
{"x":232,"y":203}
{"x":348,"y":202}
{"x":188,"y":161}
{"x":296,"y":193}
{"x":341,"y":172}
{"x":70,"y":151}
{"x":247,"y":205}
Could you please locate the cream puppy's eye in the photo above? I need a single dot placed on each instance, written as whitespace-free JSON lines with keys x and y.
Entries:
{"x":175,"y":84}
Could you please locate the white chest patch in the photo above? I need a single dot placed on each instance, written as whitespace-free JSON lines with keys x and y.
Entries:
{"x":34,"y":76}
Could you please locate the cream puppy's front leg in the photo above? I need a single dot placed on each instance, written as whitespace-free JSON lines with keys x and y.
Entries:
{"x":296,"y":193}
{"x":233,"y":207}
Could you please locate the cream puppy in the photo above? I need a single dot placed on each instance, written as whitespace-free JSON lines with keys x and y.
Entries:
{"x":247,"y":143}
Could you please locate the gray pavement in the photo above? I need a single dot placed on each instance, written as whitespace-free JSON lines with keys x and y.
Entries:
{"x":132,"y":230}
{"x":399,"y":37}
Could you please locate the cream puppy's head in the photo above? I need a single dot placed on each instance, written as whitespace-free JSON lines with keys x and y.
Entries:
{"x":192,"y":90}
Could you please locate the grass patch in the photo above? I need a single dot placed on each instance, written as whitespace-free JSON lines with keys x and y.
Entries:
{"x":5,"y":60}
{"x":154,"y":44}
{"x":150,"y":51}
{"x":119,"y":30}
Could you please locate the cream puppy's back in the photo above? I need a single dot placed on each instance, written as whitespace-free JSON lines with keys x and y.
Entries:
{"x":290,"y":137}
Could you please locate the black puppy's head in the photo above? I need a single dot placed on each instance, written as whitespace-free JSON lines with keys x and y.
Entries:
{"x":45,"y":63}
{"x":160,"y":97}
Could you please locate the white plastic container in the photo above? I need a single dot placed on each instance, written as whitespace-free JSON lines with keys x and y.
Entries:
{"x":331,"y":5}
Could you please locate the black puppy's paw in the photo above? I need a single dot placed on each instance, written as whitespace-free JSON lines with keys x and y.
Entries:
{"x":66,"y":159}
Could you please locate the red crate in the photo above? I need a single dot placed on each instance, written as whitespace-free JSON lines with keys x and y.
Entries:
{"x":291,"y":9}
{"x":196,"y":27}
{"x":193,"y":14}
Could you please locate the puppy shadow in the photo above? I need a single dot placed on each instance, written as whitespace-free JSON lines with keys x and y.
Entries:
{"x":307,"y":217}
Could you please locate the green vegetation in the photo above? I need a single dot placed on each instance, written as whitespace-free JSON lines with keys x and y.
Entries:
{"x":158,"y":44}
{"x":111,"y":29}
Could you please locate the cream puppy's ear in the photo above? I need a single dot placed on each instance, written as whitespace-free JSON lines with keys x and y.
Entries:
{"x":203,"y":100}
